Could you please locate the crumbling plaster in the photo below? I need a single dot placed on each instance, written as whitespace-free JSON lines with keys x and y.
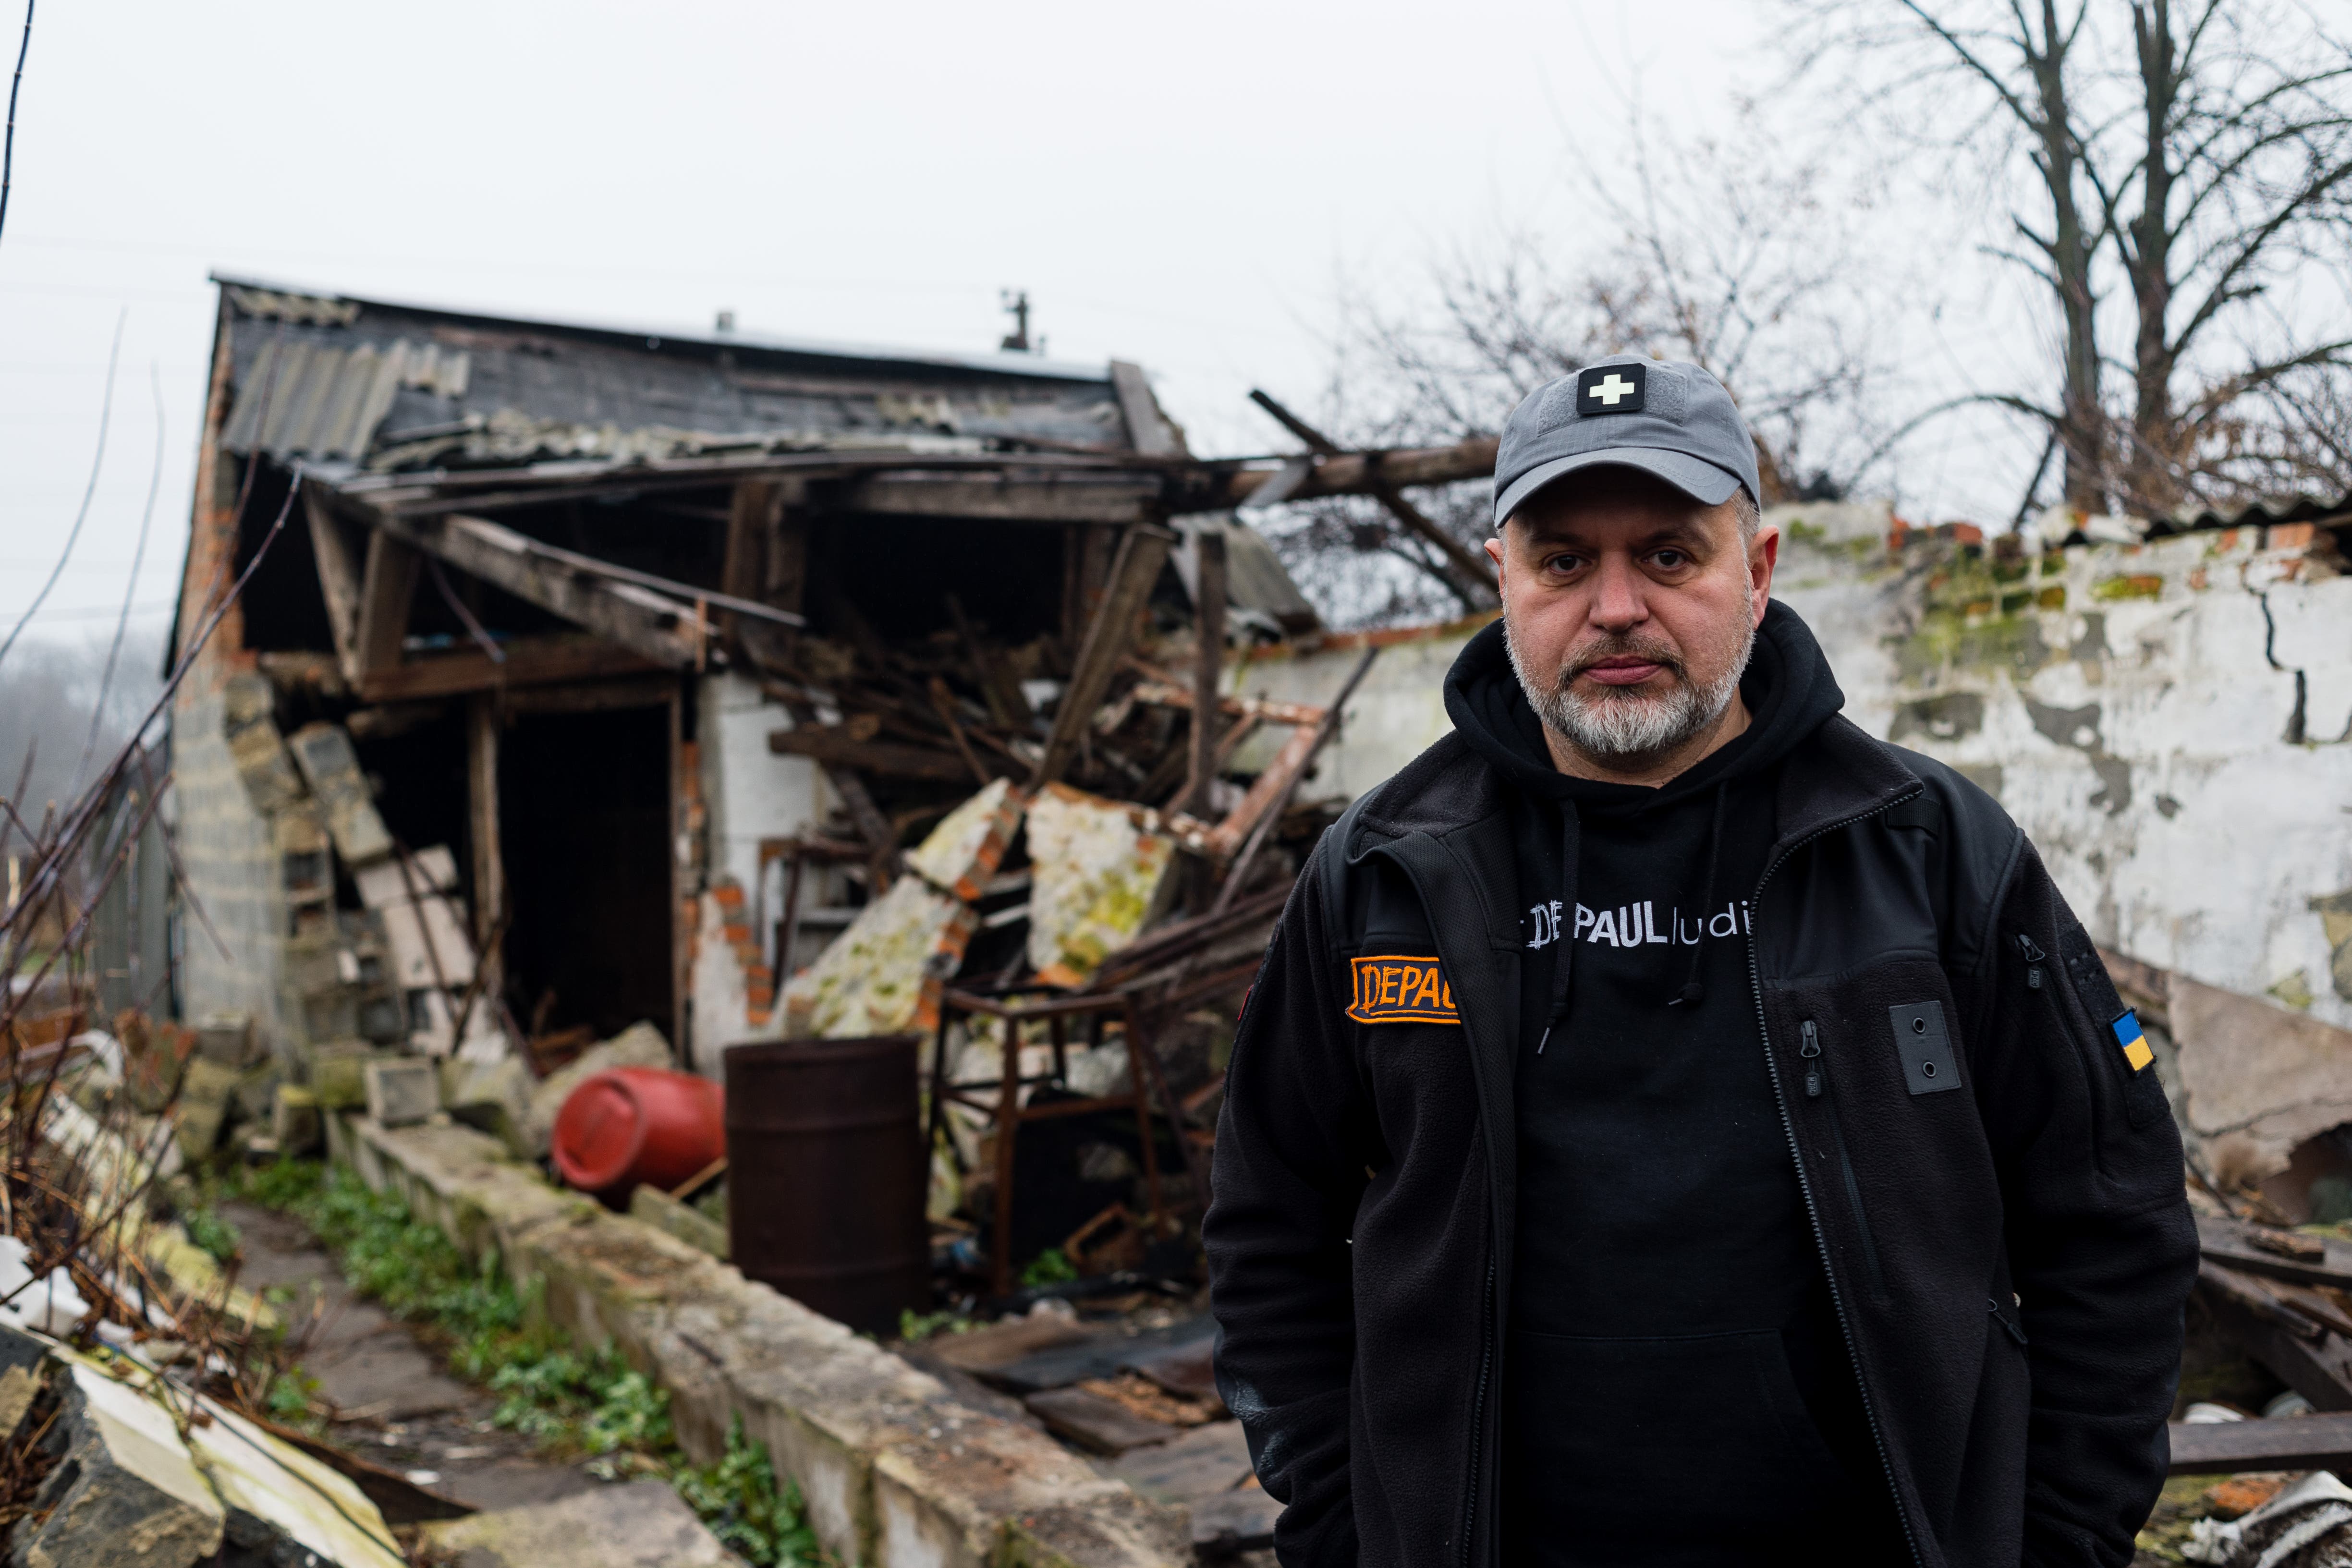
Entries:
{"x":2167,"y":720}
{"x":228,"y":854}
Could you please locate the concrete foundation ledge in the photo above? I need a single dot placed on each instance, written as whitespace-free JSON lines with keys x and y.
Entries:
{"x":895,"y":1473}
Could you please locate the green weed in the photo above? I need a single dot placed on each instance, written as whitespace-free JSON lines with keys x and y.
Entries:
{"x":209,"y":1230}
{"x":738,"y":1498}
{"x":1048,"y":1268}
{"x":915,"y":1327}
{"x":568,"y":1400}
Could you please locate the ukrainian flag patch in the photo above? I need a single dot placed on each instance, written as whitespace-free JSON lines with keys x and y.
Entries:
{"x":1394,"y":988}
{"x":2134,"y":1043}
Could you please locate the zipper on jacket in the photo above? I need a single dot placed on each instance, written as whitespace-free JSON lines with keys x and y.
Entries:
{"x":1478,"y":1412}
{"x":1804,"y":1183}
{"x":2032,"y":952}
{"x":1817,"y":1078}
{"x":2016,"y":1330}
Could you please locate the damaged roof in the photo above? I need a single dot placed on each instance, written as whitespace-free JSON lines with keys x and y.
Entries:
{"x":367,"y":385}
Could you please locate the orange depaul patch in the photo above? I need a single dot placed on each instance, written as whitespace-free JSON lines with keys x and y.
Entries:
{"x":1392,"y":988}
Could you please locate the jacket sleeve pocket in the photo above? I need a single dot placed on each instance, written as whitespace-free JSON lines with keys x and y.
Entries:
{"x":2117,"y":1044}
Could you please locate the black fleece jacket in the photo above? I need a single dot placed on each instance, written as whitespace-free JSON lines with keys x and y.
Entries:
{"x":2003,"y":1238}
{"x":1667,"y":1313}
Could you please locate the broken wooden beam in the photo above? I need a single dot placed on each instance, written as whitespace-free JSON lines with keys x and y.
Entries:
{"x":1469,"y":572}
{"x":340,"y":553}
{"x":650,"y":625}
{"x":1142,"y":551}
{"x":2298,"y":1347}
{"x":1108,"y":498}
{"x":387,"y":589}
{"x":841,"y":745}
{"x":2273,"y":1254}
{"x":1352,"y":473}
{"x":1266,"y":710}
{"x":529,"y":661}
{"x":2279,"y":1443}
{"x":1209,"y":628}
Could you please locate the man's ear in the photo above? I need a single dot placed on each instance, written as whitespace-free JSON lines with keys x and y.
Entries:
{"x":1763,"y":555}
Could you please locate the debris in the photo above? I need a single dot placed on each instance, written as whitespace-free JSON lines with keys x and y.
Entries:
{"x":126,"y":1491}
{"x":329,"y":764}
{"x":1098,"y":867}
{"x":885,"y":974}
{"x":2306,"y":1525}
{"x":965,"y":850}
{"x":294,"y":1121}
{"x":2274,"y":1443}
{"x":1097,"y":1424}
{"x":643,"y":1524}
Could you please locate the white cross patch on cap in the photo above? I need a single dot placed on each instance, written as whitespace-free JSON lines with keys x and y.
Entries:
{"x":1613,"y":388}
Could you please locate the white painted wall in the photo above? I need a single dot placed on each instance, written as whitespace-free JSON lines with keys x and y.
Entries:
{"x":749,"y":793}
{"x":2182,"y":824}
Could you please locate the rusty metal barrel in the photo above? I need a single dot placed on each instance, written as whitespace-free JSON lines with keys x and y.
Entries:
{"x":825,"y":1174}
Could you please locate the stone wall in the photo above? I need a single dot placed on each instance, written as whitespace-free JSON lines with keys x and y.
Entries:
{"x":2167,"y":720}
{"x":232,"y":862}
{"x":894,"y":1472}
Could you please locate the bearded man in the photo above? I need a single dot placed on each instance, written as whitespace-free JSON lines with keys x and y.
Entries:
{"x":1672,"y":1127}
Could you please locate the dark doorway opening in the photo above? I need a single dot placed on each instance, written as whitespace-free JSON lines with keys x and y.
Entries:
{"x":583,"y":814}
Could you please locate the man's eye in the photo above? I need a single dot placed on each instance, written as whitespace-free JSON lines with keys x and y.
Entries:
{"x":1563,"y":563}
{"x":1671,"y":559}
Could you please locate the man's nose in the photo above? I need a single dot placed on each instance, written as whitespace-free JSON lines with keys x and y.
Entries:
{"x":1618,"y":603}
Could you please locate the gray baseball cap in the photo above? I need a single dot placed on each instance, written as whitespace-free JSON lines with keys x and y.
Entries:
{"x":1665,"y":417}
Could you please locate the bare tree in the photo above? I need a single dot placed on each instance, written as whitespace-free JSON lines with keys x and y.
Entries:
{"x":2185,"y":161}
{"x":1728,"y":254}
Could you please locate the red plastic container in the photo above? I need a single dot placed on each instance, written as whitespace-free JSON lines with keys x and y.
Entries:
{"x":638,"y":1124}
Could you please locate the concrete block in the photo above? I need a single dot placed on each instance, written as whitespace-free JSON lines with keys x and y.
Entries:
{"x":207,"y":1094}
{"x":338,"y":1073}
{"x":126,"y":1493}
{"x":294,"y":1119}
{"x":400,"y":1091}
{"x":228,"y":1039}
{"x":493,"y":1096}
{"x":644,"y":1524}
{"x":255,"y":1099}
{"x":323,"y":752}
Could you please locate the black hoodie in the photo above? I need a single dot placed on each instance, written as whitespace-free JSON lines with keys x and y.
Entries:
{"x":1668,"y":1316}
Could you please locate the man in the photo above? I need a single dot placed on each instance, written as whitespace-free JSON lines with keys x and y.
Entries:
{"x":1672,"y":1127}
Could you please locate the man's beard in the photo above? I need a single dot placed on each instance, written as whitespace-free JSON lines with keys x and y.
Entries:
{"x":1619,"y":725}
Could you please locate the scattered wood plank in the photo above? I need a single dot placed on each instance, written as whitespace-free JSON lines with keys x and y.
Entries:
{"x":2283,"y":1443}
{"x":1100,"y":1357}
{"x":1148,"y":430}
{"x":1202,"y":1463}
{"x":1006,"y":497}
{"x":1093,"y":1423}
{"x":2256,"y":1250}
{"x":837,"y":744}
{"x":530,"y":661}
{"x":1266,"y":710}
{"x":1002,"y":1344}
{"x":1142,"y":551}
{"x":1187,"y":1371}
{"x":2299,"y":1349}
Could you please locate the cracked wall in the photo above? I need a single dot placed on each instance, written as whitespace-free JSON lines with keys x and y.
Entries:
{"x":2169,"y":720}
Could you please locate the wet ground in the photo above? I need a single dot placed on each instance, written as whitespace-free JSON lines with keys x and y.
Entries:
{"x":391,"y":1399}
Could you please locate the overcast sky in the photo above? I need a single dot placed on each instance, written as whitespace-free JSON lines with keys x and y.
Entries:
{"x":1184,"y":187}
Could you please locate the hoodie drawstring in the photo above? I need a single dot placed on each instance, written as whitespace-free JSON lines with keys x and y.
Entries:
{"x":1693,"y":989}
{"x":1571,"y":847}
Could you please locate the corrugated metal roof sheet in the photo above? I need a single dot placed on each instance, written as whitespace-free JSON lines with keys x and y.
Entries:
{"x":2283,"y":509}
{"x":383,"y":386}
